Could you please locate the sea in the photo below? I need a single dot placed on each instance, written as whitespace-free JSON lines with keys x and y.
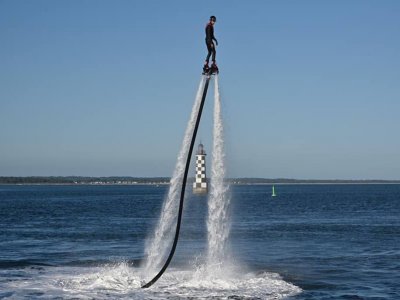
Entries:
{"x":327,"y":241}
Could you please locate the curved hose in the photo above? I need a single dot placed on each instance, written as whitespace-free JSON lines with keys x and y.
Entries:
{"x":189,"y":157}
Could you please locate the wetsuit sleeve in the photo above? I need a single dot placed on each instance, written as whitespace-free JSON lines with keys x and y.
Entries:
{"x":209,"y":33}
{"x":212,"y":35}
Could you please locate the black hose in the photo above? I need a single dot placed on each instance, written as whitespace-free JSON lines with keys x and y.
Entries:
{"x":189,"y":157}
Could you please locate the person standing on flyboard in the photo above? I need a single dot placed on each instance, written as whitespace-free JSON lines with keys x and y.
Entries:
{"x":210,"y":38}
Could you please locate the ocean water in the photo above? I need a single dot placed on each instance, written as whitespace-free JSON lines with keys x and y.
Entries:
{"x":309,"y":242}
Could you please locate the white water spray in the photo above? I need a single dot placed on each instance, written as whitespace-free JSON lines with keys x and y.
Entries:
{"x":218,"y":223}
{"x":159,"y":244}
{"x":219,"y":277}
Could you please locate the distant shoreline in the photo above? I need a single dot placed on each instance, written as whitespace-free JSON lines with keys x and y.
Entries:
{"x":165,"y":184}
{"x":123,"y":180}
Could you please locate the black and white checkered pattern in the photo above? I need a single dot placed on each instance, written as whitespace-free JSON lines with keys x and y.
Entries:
{"x":200,"y":185}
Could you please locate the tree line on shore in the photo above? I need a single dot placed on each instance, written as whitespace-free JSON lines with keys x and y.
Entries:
{"x":165,"y":180}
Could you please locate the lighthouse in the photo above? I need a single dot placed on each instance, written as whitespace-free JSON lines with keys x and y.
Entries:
{"x":200,"y":185}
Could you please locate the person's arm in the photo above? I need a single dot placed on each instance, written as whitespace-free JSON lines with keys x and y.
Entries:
{"x":213,"y":37}
{"x":216,"y":42}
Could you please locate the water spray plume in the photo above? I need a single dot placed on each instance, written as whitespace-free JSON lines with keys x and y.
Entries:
{"x":157,"y":246}
{"x":184,"y":178}
{"x":218,"y":223}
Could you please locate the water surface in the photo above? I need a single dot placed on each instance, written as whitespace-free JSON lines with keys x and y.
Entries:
{"x":309,"y":242}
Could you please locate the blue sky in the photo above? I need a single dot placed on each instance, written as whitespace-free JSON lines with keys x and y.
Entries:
{"x":310,"y":89}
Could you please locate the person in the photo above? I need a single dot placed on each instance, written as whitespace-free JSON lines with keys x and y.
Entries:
{"x":210,"y":38}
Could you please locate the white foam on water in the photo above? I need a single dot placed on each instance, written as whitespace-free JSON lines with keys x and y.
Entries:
{"x":218,"y":222}
{"x":159,"y":244}
{"x":121,"y":281}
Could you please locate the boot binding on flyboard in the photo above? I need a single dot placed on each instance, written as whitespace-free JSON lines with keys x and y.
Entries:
{"x":206,"y":70}
{"x":214,"y":69}
{"x":210,"y":70}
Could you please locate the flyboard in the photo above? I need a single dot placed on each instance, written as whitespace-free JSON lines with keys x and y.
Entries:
{"x":207,"y":73}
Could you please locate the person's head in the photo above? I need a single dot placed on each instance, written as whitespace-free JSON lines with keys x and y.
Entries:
{"x":213,"y":19}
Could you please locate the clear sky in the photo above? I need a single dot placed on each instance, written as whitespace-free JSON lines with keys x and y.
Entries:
{"x":310,"y":89}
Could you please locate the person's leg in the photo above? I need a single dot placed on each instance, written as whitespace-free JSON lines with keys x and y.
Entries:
{"x":209,"y":48}
{"x":213,"y":53}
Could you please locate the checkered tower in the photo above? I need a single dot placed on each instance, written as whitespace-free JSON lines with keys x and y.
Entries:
{"x":200,"y":185}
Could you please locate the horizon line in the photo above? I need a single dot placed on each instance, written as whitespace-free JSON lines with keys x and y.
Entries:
{"x":168,"y":177}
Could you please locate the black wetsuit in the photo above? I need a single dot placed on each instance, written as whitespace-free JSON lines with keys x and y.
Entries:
{"x":210,"y":42}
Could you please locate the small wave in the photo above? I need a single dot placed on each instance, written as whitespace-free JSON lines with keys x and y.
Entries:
{"x":7,"y":264}
{"x":100,"y":262}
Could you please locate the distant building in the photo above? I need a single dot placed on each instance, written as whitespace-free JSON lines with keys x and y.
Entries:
{"x":200,"y":184}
